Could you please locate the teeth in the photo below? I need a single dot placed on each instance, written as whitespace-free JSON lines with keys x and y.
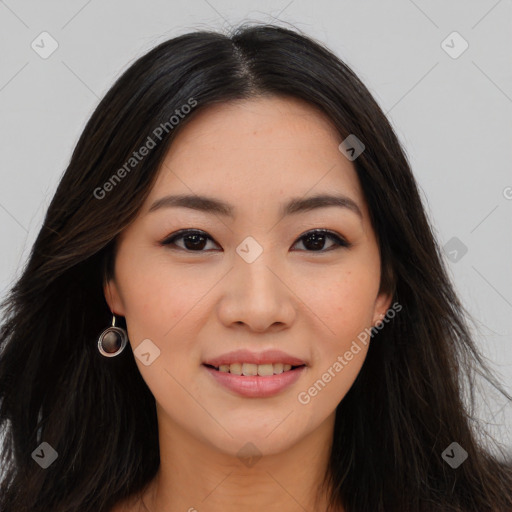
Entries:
{"x":235,"y":368}
{"x":249,"y":369}
{"x":255,"y":369}
{"x":265,"y":369}
{"x":278,"y":367}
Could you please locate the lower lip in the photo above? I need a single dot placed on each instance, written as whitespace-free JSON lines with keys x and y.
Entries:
{"x":256,"y":386}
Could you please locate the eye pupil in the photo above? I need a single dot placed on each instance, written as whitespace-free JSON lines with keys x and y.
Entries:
{"x":198,"y":241}
{"x":317,"y":238}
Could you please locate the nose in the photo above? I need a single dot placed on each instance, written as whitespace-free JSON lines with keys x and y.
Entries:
{"x":258,"y":295}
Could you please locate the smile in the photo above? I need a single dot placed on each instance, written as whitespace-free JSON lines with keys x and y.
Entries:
{"x":250,"y":369}
{"x":252,"y":384}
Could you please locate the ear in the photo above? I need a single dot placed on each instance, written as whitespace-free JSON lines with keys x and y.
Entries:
{"x":113,"y":297}
{"x":382,"y":303}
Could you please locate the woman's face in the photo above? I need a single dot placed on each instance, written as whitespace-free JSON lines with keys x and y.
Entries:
{"x":254,"y":279}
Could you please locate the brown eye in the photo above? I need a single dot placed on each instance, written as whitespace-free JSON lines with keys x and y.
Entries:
{"x":196,"y":241}
{"x":193,"y":241}
{"x":314,"y":241}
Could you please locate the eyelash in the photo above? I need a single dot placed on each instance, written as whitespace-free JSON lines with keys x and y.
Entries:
{"x":338,"y":240}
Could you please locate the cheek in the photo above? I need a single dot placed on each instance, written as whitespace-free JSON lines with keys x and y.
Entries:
{"x":345,"y":304}
{"x":154,"y":294}
{"x":346,"y":301}
{"x":159,"y":305}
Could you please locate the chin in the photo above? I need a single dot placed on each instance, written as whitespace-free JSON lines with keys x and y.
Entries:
{"x":256,"y":441}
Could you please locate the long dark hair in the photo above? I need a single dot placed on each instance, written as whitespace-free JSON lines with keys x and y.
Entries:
{"x":407,"y":403}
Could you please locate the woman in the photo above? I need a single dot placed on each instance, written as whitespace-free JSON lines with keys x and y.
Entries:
{"x":236,"y":300}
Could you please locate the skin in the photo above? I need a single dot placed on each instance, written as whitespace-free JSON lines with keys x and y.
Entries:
{"x":254,"y":154}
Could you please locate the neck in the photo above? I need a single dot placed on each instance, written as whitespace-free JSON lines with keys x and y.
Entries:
{"x":195,"y":476}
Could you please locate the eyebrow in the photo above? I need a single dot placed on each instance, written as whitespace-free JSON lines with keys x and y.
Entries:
{"x":292,"y":207}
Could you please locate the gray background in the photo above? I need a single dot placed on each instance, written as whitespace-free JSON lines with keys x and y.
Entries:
{"x":451,"y":114}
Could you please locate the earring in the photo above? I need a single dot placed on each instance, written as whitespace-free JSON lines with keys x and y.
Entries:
{"x":112,"y":340}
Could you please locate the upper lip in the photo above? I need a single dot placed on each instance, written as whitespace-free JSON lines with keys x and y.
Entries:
{"x":246,"y":356}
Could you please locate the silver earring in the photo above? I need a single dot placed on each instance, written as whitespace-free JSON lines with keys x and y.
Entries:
{"x":112,"y":340}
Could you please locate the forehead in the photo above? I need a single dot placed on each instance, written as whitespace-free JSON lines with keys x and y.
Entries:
{"x":263,"y":148}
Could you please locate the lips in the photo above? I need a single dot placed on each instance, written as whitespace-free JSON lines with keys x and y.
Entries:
{"x":256,"y":386}
{"x":255,"y":374}
{"x":258,"y":358}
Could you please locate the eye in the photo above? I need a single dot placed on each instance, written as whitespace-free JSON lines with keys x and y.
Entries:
{"x":196,"y":241}
{"x":316,"y":239}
